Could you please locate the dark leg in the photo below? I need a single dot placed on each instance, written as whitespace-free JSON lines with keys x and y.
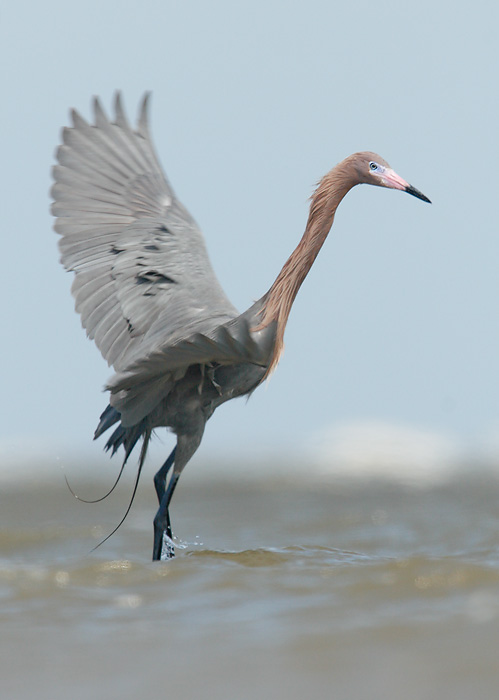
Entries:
{"x":187,"y":444}
{"x":160,"y":477}
{"x":160,"y":486}
{"x":163,"y":548}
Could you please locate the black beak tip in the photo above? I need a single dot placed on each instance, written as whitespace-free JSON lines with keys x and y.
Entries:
{"x":416,"y":193}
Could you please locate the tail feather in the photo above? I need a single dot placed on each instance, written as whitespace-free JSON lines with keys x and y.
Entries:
{"x":128,"y":437}
{"x":108,"y":418}
{"x":143,"y":452}
{"x":116,"y":440}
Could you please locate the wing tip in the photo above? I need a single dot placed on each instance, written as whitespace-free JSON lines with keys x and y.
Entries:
{"x":100,"y":116}
{"x":119,"y":111}
{"x":77,"y":120}
{"x":143,"y":121}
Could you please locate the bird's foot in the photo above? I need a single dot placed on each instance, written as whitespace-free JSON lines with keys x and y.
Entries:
{"x":167,"y":547}
{"x":164,"y":547}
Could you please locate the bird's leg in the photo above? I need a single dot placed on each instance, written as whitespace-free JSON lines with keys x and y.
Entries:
{"x":161,"y":474}
{"x":160,"y":486}
{"x":163,"y":548}
{"x":187,"y":444}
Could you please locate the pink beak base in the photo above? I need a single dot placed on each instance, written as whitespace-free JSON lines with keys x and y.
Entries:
{"x":394,"y":181}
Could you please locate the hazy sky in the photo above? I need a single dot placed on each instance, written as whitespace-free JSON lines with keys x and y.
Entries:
{"x":252,"y":103}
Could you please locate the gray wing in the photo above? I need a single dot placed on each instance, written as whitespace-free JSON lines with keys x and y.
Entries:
{"x":138,"y":389}
{"x":143,"y":280}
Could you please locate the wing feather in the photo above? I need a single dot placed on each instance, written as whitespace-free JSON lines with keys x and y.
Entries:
{"x":83,"y":169}
{"x":119,"y":348}
{"x":144,"y":285}
{"x":142,"y":273}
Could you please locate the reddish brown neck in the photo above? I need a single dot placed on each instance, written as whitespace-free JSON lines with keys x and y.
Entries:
{"x":324,"y":202}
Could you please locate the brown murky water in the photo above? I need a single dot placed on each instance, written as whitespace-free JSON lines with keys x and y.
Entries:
{"x":336,"y":590}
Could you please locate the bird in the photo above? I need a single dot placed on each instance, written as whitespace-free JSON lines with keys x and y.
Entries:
{"x":148,"y":296}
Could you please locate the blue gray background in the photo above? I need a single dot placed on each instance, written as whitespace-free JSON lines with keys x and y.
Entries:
{"x":395,"y":331}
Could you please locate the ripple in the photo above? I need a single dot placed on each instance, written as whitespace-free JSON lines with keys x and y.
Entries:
{"x":272,"y":556}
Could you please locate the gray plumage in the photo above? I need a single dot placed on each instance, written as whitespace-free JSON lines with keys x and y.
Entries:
{"x":144,"y":285}
{"x":149,"y":298}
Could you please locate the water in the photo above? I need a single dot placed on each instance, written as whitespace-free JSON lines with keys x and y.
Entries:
{"x":339,"y":589}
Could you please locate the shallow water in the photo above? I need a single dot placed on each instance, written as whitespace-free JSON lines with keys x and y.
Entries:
{"x":341,"y":589}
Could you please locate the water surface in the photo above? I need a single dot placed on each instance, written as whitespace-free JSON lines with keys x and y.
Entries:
{"x":335,"y":589}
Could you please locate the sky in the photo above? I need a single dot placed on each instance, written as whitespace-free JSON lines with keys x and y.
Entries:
{"x":397,"y":324}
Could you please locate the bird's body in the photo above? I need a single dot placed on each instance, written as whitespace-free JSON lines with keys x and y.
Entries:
{"x":148,"y":296}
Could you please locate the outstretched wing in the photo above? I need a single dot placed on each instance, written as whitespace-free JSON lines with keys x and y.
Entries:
{"x":143,"y":279}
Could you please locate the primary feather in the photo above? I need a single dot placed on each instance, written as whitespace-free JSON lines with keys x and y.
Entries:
{"x":144,"y":286}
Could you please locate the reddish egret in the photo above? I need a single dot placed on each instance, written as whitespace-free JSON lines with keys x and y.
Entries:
{"x":148,"y":296}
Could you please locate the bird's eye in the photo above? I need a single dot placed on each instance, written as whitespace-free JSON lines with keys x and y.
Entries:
{"x":373,"y":165}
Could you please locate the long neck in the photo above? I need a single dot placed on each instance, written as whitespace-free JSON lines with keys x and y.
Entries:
{"x":280,"y":297}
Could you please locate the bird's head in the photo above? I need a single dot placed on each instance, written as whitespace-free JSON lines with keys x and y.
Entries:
{"x":374,"y":170}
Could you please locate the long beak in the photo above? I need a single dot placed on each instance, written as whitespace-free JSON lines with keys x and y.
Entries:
{"x":416,"y":193}
{"x":394,"y":181}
